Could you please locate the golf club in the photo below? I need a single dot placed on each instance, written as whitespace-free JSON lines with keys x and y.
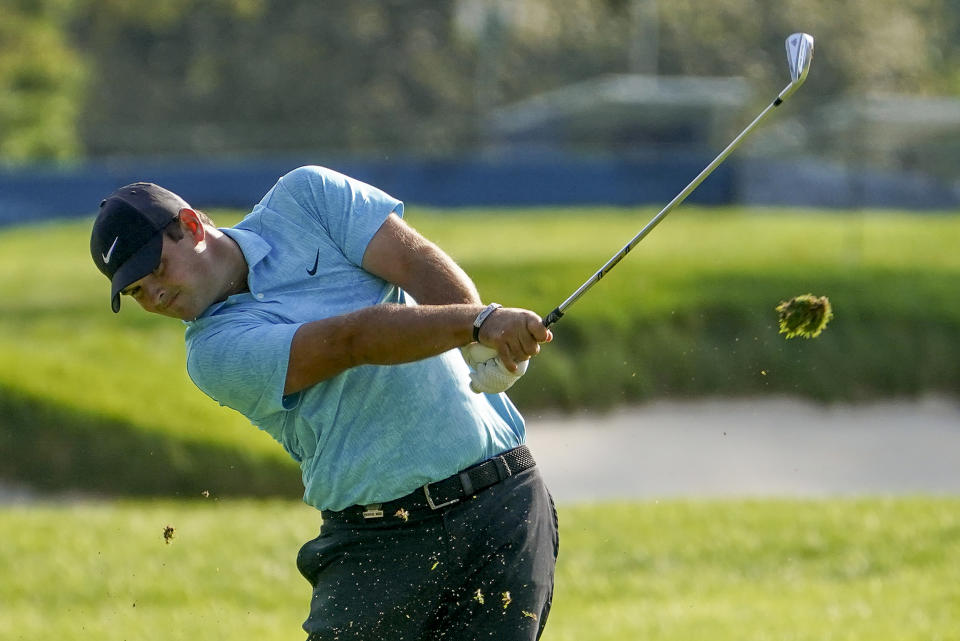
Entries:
{"x":799,"y":57}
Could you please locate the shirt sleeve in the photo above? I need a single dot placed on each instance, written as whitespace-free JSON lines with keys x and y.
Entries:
{"x":350,"y":211}
{"x":243,"y":365}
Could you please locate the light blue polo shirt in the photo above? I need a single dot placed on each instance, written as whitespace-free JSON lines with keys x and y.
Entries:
{"x":372,"y":433}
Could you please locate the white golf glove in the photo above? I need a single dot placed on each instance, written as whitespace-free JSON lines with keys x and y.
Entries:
{"x":488,"y":374}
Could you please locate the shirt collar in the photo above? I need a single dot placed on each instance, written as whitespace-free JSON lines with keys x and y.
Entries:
{"x":254,"y":249}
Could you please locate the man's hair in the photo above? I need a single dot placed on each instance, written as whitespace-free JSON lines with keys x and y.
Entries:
{"x":173,"y":230}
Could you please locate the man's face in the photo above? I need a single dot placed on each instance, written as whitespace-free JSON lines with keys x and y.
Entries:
{"x":178,"y":287}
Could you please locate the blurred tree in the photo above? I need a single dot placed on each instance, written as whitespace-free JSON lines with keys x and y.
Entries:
{"x":198,"y":76}
{"x":41,"y":83}
{"x":377,"y":76}
{"x":885,"y":45}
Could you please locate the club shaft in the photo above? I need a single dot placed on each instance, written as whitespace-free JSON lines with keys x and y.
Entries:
{"x":555,"y":315}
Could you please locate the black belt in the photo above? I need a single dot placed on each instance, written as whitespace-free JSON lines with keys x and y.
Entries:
{"x":440,"y":494}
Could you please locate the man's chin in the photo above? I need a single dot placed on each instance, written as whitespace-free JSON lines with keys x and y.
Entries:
{"x":179,"y":308}
{"x":183,"y":314}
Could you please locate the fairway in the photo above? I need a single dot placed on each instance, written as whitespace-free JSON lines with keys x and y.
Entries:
{"x":877,"y":569}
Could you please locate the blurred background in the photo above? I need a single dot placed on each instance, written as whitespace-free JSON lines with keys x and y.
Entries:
{"x":489,"y":102}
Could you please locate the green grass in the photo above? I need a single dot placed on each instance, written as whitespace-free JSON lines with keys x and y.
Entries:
{"x":884,"y":569}
{"x":689,"y":313}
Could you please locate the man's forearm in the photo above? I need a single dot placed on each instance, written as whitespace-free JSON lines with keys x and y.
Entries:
{"x":377,"y":335}
{"x":391,"y":334}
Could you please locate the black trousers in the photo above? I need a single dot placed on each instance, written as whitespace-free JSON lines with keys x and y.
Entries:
{"x":482,"y":568}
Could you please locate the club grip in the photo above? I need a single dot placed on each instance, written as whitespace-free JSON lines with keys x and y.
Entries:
{"x":552,"y":317}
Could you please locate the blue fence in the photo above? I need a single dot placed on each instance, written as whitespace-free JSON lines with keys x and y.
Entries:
{"x":38,"y":193}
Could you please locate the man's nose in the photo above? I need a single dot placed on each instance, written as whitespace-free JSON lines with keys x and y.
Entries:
{"x":156,"y":293}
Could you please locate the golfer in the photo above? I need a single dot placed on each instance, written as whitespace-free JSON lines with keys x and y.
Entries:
{"x":366,"y":352}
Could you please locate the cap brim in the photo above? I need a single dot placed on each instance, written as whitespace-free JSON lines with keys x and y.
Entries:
{"x":143,"y":261}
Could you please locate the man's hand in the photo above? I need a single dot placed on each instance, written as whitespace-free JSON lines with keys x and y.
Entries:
{"x":509,"y":337}
{"x":515,"y":334}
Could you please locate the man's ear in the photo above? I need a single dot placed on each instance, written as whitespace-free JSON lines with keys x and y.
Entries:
{"x":191,"y":225}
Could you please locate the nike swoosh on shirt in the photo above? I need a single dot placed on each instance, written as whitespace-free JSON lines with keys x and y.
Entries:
{"x":315,"y":263}
{"x":106,"y":257}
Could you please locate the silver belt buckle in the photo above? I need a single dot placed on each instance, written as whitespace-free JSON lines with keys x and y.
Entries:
{"x":436,"y":506}
{"x":373,"y":511}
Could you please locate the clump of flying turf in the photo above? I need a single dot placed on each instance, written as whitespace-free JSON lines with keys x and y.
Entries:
{"x":805,"y":315}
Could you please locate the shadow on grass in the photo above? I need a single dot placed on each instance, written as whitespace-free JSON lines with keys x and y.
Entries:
{"x":55,"y":449}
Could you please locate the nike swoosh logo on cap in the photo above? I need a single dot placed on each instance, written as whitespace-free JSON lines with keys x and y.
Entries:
{"x":315,"y":263}
{"x":106,"y":257}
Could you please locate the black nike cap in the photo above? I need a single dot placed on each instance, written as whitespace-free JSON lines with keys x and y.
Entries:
{"x":127,"y":237}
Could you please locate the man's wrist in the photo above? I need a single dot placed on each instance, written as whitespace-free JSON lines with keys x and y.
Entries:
{"x":481,"y":317}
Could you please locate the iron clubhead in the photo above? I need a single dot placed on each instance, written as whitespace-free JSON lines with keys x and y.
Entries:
{"x":799,"y":56}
